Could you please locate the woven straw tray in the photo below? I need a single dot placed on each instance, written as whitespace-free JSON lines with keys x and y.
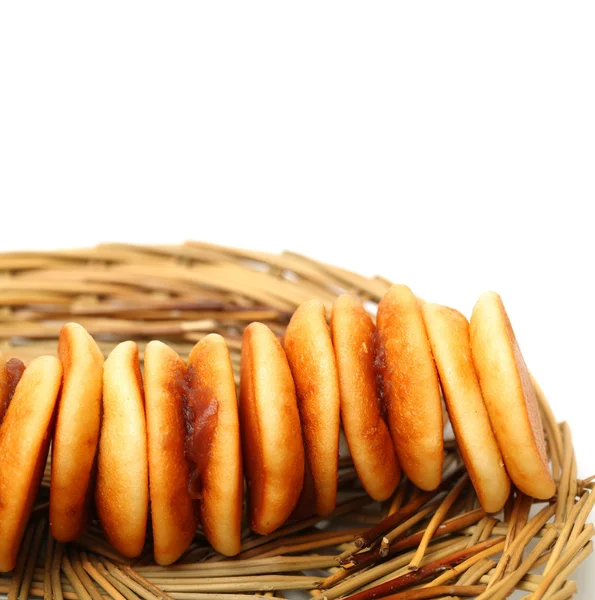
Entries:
{"x":180,"y":293}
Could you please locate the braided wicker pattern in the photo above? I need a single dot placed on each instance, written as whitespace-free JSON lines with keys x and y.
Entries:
{"x":179,"y":294}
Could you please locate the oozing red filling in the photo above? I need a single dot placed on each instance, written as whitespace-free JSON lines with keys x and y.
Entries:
{"x":201,"y":416}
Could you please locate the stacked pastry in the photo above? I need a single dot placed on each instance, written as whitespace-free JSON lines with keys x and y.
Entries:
{"x":176,"y":445}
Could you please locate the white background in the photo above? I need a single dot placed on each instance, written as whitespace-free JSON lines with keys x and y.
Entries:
{"x":449,"y":146}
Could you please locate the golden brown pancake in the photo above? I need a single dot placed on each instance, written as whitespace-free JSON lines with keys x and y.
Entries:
{"x":77,"y":432}
{"x":273,"y":450}
{"x":25,"y":437}
{"x":448,"y":331}
{"x":409,"y":386}
{"x":311,"y":358}
{"x":509,"y":397}
{"x":218,"y":452}
{"x":122,"y":491}
{"x":10,"y":374}
{"x":174,"y":513}
{"x":367,"y":434}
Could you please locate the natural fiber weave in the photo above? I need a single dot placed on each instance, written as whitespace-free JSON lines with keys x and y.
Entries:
{"x":178,"y":294}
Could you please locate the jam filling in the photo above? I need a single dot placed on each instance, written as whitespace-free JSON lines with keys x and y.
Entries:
{"x":381,"y":372}
{"x":14,"y":369}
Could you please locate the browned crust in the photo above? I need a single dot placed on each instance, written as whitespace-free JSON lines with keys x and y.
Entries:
{"x":174,"y":513}
{"x":448,"y":331}
{"x":122,"y":490}
{"x":222,"y":480}
{"x":272,"y":444}
{"x":311,"y":358}
{"x":509,"y":397}
{"x":367,"y":434}
{"x":410,"y":386}
{"x":77,"y":432}
{"x":24,"y":441}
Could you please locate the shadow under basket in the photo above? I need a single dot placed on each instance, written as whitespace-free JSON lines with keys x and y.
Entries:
{"x":179,"y":294}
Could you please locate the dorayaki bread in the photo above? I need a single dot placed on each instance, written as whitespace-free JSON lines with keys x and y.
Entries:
{"x":174,"y":512}
{"x":271,"y":432}
{"x":217,"y":450}
{"x":409,"y":386}
{"x":366,"y":432}
{"x":76,"y":436}
{"x":448,"y":332}
{"x":25,"y":437}
{"x":311,"y":357}
{"x":122,"y":490}
{"x":510,"y":397}
{"x":178,"y":443}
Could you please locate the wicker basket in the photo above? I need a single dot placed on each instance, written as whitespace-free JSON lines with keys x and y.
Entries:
{"x":179,"y":294}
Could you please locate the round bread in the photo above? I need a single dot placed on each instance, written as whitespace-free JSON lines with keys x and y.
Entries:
{"x":311,"y":358}
{"x":77,"y":432}
{"x":448,"y":331}
{"x":10,"y":374}
{"x":510,"y":397}
{"x":25,"y":437}
{"x":222,"y":481}
{"x":272,"y":445}
{"x":367,"y":434}
{"x":122,"y":490}
{"x":174,"y":513}
{"x":409,"y":386}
